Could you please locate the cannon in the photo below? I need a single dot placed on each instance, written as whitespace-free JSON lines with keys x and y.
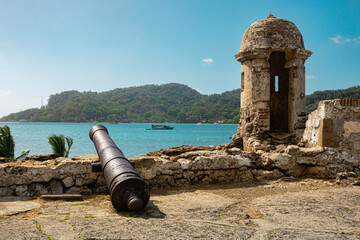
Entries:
{"x":128,"y":191}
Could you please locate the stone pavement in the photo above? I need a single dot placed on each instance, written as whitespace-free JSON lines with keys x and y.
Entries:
{"x":301,"y":209}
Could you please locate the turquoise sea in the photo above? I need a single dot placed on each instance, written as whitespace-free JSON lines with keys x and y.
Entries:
{"x":132,"y":138}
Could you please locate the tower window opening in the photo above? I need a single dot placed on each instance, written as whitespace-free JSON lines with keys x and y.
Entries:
{"x":242,"y":81}
{"x":276,"y":83}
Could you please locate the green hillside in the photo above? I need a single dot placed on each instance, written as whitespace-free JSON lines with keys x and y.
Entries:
{"x":313,"y":99}
{"x":153,"y":103}
{"x":150,"y":103}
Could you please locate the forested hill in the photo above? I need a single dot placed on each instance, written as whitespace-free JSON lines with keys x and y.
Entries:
{"x":153,"y":103}
{"x":150,"y":103}
{"x":313,"y":99}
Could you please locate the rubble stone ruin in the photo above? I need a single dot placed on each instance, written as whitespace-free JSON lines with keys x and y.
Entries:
{"x":279,"y":139}
{"x":272,"y":56}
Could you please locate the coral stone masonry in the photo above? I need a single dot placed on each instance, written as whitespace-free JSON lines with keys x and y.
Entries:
{"x":275,"y":138}
{"x":272,"y":56}
{"x":336,"y":124}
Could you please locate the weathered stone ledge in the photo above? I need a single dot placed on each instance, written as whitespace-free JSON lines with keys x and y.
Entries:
{"x":178,"y":166}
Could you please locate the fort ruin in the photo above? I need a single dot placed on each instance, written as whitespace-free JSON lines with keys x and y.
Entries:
{"x":275,"y":138}
{"x":272,"y":56}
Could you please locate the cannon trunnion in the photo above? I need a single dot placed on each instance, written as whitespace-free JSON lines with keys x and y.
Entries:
{"x":127,"y":189}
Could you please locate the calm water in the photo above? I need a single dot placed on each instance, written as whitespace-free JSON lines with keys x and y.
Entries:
{"x":132,"y":138}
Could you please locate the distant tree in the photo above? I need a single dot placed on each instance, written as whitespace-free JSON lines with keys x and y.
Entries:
{"x":57,"y":143}
{"x":313,"y":99}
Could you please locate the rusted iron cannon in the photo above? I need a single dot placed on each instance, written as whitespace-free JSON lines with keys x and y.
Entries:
{"x":127,"y":189}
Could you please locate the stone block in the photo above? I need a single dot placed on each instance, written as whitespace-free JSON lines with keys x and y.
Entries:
{"x":6,"y":191}
{"x":24,"y":175}
{"x":43,"y":157}
{"x":220,"y":162}
{"x":311,"y":152}
{"x":169,"y":165}
{"x":327,"y":137}
{"x":188,"y":174}
{"x":143,"y":161}
{"x":81,"y":190}
{"x":178,"y":176}
{"x":100,"y":181}
{"x":147,"y":173}
{"x":68,"y":181}
{"x":185,"y":163}
{"x":84,"y":179}
{"x":326,"y":125}
{"x":21,"y":190}
{"x":69,"y":167}
{"x":264,"y":175}
{"x":37,"y":189}
{"x":277,"y":160}
{"x":234,"y":151}
{"x":90,"y":157}
{"x":181,"y":182}
{"x":64,"y":197}
{"x":56,"y":187}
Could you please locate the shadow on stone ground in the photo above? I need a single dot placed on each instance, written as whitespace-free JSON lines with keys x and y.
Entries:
{"x":301,"y":209}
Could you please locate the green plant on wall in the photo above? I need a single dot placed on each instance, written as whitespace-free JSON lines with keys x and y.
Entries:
{"x":58,"y":145}
{"x":7,"y":144}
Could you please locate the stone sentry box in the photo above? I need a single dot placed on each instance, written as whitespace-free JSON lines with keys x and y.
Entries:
{"x":272,"y":56}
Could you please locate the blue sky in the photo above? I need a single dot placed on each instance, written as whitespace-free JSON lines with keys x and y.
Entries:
{"x":50,"y":46}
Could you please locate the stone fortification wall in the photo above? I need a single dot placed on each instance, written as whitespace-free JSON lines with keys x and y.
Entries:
{"x":178,"y":166}
{"x":336,"y":123}
{"x":54,"y":176}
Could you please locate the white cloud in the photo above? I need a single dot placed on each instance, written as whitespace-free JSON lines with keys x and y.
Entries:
{"x":4,"y":94}
{"x":208,"y":60}
{"x":357,"y":39}
{"x":338,"y":39}
{"x":310,"y":77}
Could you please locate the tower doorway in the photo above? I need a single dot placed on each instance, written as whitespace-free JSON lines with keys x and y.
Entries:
{"x":279,"y":93}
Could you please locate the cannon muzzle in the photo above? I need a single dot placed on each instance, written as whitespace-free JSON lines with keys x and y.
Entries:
{"x":127,"y":189}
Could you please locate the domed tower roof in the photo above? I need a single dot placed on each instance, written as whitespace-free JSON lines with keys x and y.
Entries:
{"x":272,"y":33}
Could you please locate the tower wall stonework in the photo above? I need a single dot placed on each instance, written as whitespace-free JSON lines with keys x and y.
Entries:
{"x":254,"y":117}
{"x":260,"y":93}
{"x":297,"y":115}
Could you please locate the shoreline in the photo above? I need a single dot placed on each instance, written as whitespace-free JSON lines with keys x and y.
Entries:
{"x":124,"y":123}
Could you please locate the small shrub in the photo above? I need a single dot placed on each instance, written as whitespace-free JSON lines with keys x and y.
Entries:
{"x":7,"y":145}
{"x":57,"y":143}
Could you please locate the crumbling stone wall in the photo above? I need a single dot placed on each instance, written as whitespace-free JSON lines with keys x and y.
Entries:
{"x":179,"y":166}
{"x":54,"y":176}
{"x":336,"y":124}
{"x":335,"y":121}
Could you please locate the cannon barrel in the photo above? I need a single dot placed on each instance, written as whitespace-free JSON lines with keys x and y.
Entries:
{"x":128,"y":191}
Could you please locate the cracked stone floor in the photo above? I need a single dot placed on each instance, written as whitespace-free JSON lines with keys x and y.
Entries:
{"x":296,"y":209}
